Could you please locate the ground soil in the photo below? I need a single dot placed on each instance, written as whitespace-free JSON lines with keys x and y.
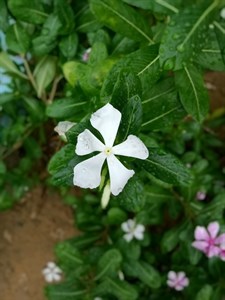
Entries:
{"x":28,"y":234}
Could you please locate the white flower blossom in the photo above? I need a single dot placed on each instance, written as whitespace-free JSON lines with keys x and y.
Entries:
{"x":52,"y":272}
{"x":63,"y":127}
{"x":87,"y":174}
{"x":222,"y":13}
{"x":132,"y":230}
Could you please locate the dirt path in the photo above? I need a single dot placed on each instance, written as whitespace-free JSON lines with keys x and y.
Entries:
{"x":28,"y":234}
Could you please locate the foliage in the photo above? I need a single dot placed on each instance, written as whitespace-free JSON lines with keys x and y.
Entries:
{"x":147,"y":59}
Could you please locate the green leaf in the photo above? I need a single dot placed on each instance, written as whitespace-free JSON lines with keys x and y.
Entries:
{"x":161,"y":106}
{"x":210,"y":56}
{"x":46,"y":42}
{"x":116,"y":216}
{"x":5,"y":98}
{"x":76,"y":130}
{"x":28,"y":11}
{"x":159,"y":6}
{"x":66,"y":108}
{"x":132,"y":197}
{"x":68,"y":45}
{"x":85,"y":240}
{"x":131,"y":117}
{"x":121,"y":18}
{"x":109,"y":263}
{"x":98,"y":53}
{"x":205,"y":293}
{"x":147,"y":274}
{"x":8,"y":65}
{"x":44,"y":73}
{"x":185,"y":35}
{"x":35,"y":109}
{"x":68,"y":256}
{"x":17,"y":39}
{"x":3,"y":15}
{"x":62,"y":163}
{"x":166,"y":167}
{"x":144,"y":63}
{"x":214,"y":208}
{"x":86,"y":21}
{"x":220,"y":34}
{"x":122,"y":290}
{"x":193,"y":94}
{"x":66,"y":16}
{"x":65,"y":291}
{"x":126,"y":86}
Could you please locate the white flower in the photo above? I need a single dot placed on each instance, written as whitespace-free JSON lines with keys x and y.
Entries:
{"x":222,"y":13}
{"x":52,"y":272}
{"x":63,"y":127}
{"x":132,"y":230}
{"x":87,"y":174}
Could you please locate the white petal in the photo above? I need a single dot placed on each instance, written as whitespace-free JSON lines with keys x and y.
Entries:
{"x":107,"y":120}
{"x":57,"y":270}
{"x":132,"y":147}
{"x":87,"y":174}
{"x":128,"y":237}
{"x":140,"y":228}
{"x":119,"y":175}
{"x":128,"y":226}
{"x":49,"y":278}
{"x":63,"y":127}
{"x":51,"y":265}
{"x":88,"y":143}
{"x":57,"y":277}
{"x":139,"y":235}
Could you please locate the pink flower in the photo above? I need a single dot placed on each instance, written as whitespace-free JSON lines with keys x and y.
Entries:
{"x":177,"y":281}
{"x":206,"y":240}
{"x":200,"y":195}
{"x":86,"y":55}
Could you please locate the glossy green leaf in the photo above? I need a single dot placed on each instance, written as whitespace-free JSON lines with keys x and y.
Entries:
{"x":121,"y":18}
{"x":109,"y":263}
{"x":68,"y":256}
{"x":46,"y":42}
{"x":3,"y":15}
{"x":68,"y":45}
{"x":17,"y":39}
{"x":122,"y":290}
{"x":9,"y":66}
{"x":161,"y":106}
{"x":159,"y":6}
{"x":126,"y":86}
{"x":132,"y":197}
{"x":65,"y":291}
{"x":86,"y":21}
{"x":185,"y":35}
{"x":147,"y":274}
{"x":205,"y":293}
{"x":193,"y":94}
{"x":65,"y":108}
{"x":131,"y":117}
{"x":144,"y":63}
{"x":44,"y":73}
{"x":166,"y":167}
{"x":28,"y":11}
{"x":66,"y":16}
{"x":62,"y":164}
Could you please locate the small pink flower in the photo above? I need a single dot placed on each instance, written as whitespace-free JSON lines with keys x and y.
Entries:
{"x":86,"y":55}
{"x":177,"y":281}
{"x":207,"y":240}
{"x":200,"y":195}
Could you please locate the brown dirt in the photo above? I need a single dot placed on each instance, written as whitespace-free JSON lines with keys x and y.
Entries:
{"x":216,"y":89}
{"x":28,"y":234}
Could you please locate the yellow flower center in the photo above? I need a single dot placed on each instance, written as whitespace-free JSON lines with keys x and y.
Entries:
{"x":108,"y":150}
